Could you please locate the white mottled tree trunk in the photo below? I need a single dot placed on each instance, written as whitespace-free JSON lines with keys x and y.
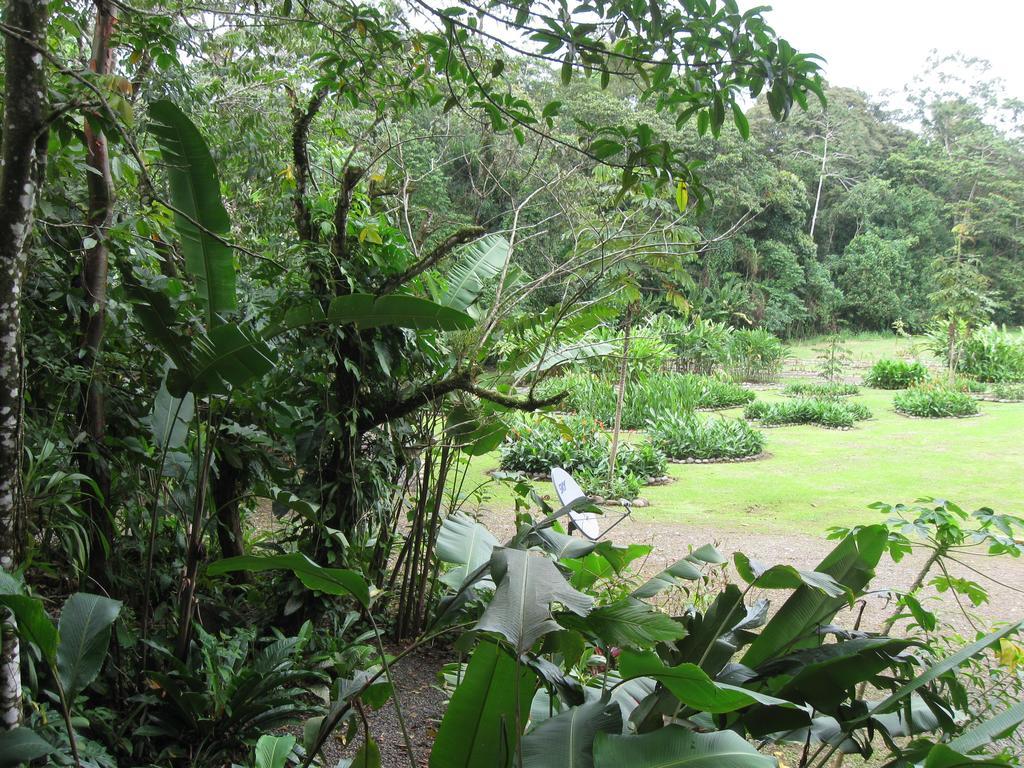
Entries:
{"x":22,"y":154}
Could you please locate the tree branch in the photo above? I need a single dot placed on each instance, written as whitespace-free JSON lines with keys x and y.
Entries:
{"x":449,"y":244}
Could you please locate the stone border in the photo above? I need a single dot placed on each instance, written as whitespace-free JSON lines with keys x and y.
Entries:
{"x":760,"y":424}
{"x":981,"y":397}
{"x":738,"y":460}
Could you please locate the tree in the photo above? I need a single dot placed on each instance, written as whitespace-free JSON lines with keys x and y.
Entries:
{"x":23,"y":154}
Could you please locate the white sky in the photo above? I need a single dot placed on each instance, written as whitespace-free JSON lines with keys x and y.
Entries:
{"x":878,"y":45}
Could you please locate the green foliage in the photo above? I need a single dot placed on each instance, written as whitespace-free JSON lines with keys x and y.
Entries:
{"x":700,"y":346}
{"x":993,"y":354}
{"x":228,"y":693}
{"x":580,"y":446}
{"x":934,"y":401}
{"x":827,"y":412}
{"x":647,"y":397}
{"x":1013,"y":392}
{"x":792,"y":683}
{"x":826,"y":390}
{"x":689,"y":436}
{"x":895,"y":374}
{"x":756,"y":355}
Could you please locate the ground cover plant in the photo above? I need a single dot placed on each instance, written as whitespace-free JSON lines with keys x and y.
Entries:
{"x":820,"y":390}
{"x":687,"y":435}
{"x":895,"y":374}
{"x":826,"y":412}
{"x":935,"y":401}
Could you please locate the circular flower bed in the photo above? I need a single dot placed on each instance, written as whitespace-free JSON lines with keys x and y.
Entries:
{"x":682,"y":436}
{"x":935,"y":402}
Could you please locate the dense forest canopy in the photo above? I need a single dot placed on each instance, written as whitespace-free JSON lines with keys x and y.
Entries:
{"x":300,"y":261}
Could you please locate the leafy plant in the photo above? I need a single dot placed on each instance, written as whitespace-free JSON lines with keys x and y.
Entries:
{"x":701,"y":346}
{"x":814,"y":389}
{"x":934,"y":401}
{"x":579,"y":445}
{"x":228,"y":693}
{"x":726,"y":675}
{"x":808,"y":410}
{"x":756,"y":355}
{"x":690,"y":436}
{"x":993,"y":354}
{"x":833,"y":358}
{"x":1014,"y":392}
{"x":895,"y":374}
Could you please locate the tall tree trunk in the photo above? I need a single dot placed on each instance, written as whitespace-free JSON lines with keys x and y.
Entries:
{"x":92,"y":413}
{"x":226,"y":489}
{"x":621,"y":396}
{"x":821,"y":183}
{"x":22,"y":156}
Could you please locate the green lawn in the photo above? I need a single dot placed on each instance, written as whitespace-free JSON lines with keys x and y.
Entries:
{"x":816,"y":478}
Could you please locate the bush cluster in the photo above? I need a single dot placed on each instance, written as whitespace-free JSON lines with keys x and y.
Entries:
{"x":756,"y":355}
{"x":895,"y":374}
{"x":935,"y":401}
{"x":827,"y":389}
{"x":808,"y":410}
{"x":579,"y":445}
{"x":687,"y":435}
{"x":993,"y":354}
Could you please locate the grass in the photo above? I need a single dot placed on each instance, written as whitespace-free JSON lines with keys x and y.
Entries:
{"x":818,"y":478}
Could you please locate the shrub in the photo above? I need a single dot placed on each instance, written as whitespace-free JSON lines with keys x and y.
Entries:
{"x":648,"y":352}
{"x":827,"y":390}
{"x":895,"y":374}
{"x":1008,"y":391}
{"x":993,"y":354}
{"x":756,"y":355}
{"x":700,"y":347}
{"x":807,"y":410}
{"x":970,"y":384}
{"x":935,"y":401}
{"x":690,"y":436}
{"x":578,"y":445}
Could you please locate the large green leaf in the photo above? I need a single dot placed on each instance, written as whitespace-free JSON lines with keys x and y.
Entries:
{"x":822,"y":676}
{"x":333,"y":581}
{"x":33,"y":623}
{"x":169,"y":419}
{"x":786,"y":577}
{"x":228,"y":354}
{"x":195,"y":192}
{"x":681,"y":570}
{"x":464,"y":541}
{"x":676,"y":747}
{"x":850,"y":564}
{"x":988,"y":730}
{"x":481,"y":261}
{"x":627,"y":623}
{"x":479,"y":728}
{"x":273,"y":751}
{"x":84,"y":630}
{"x":691,"y":685}
{"x":20,"y":746}
{"x":368,"y":311}
{"x":528,"y":583}
{"x":567,"y":740}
